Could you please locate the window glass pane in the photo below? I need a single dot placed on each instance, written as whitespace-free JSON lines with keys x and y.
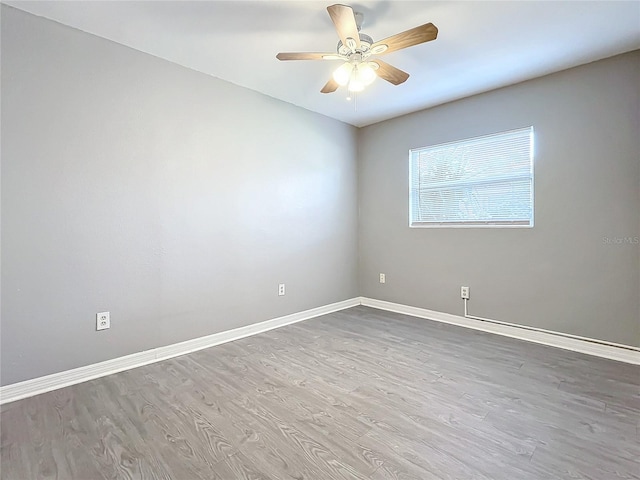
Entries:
{"x":476,"y":182}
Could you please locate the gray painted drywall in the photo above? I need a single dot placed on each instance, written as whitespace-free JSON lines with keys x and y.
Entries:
{"x":178,"y":202}
{"x":172,"y":199}
{"x":560,"y":275}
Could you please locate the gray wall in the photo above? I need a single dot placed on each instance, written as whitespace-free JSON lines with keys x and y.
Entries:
{"x":174,"y":200}
{"x":560,"y":275}
{"x":178,"y":202}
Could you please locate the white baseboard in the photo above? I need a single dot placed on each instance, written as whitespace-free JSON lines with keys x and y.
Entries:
{"x":620,"y":353}
{"x":28,"y":388}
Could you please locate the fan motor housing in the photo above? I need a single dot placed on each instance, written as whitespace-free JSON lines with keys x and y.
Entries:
{"x":365,"y":44}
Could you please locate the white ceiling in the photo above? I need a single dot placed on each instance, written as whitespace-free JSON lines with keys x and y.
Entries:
{"x":481,"y":45}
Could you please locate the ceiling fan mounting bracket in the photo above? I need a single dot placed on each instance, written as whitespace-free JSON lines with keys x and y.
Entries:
{"x":359,"y":18}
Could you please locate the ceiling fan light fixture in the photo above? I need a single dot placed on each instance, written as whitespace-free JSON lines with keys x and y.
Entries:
{"x":354,"y":49}
{"x":342,"y":74}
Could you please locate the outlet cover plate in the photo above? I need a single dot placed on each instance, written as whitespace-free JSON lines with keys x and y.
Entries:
{"x":103,"y":321}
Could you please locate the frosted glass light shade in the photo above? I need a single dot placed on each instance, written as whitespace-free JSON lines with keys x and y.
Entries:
{"x":342,"y":74}
{"x":366,"y":74}
{"x":355,"y":85}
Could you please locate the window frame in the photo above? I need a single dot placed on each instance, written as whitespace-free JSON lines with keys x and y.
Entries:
{"x":472,"y":223}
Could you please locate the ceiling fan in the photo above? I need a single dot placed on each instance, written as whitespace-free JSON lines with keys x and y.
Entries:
{"x":356,"y":48}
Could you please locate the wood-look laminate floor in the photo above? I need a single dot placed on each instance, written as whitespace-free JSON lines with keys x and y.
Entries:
{"x":358,"y":394}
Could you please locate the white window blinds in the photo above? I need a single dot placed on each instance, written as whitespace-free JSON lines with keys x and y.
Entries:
{"x":482,"y":181}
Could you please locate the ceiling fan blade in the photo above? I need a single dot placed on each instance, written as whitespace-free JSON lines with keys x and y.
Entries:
{"x":415,"y":36}
{"x":390,"y":73}
{"x":331,"y":86}
{"x":307,"y":56}
{"x":345,"y":22}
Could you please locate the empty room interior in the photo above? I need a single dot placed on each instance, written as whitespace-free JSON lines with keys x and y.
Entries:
{"x":305,"y":240}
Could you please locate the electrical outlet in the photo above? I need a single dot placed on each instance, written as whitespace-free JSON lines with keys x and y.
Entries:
{"x":383,"y":278}
{"x":281,"y":289}
{"x":103,"y":321}
{"x":464,"y":292}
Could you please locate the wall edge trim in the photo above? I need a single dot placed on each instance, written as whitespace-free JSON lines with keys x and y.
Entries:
{"x":54,"y":381}
{"x":549,"y":338}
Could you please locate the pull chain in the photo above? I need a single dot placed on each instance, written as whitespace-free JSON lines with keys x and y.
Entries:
{"x":353,"y":97}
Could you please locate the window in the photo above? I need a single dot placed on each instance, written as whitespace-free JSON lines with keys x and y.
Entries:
{"x":479,"y":182}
